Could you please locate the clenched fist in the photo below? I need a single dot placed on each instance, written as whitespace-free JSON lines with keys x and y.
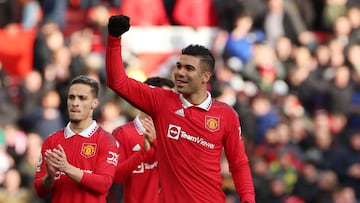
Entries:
{"x":118,"y":25}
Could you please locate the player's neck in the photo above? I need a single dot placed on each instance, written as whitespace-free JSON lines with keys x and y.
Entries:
{"x":196,"y":98}
{"x":80,"y":126}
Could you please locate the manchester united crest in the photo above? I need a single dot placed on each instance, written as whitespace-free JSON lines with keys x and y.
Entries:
{"x":88,"y":150}
{"x":212,"y":123}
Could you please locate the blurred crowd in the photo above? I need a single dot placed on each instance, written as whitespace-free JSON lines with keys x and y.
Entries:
{"x":290,"y":68}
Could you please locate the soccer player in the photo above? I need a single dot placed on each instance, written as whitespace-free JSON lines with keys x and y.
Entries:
{"x":78,"y":163}
{"x":192,"y":128}
{"x":137,"y":160}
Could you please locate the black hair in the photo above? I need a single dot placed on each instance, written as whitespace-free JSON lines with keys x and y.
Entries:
{"x":205,"y":55}
{"x":82,"y":79}
{"x":159,"y":82}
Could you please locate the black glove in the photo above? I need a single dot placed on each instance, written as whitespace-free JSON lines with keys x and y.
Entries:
{"x":118,"y":25}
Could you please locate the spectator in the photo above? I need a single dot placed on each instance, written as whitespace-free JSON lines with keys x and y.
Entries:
{"x":345,"y":194}
{"x":339,"y":92}
{"x":15,"y":141}
{"x":46,"y":118}
{"x":111,"y":115}
{"x":306,"y":186}
{"x":13,"y":191}
{"x":31,"y":14}
{"x":322,"y":150}
{"x":9,"y":112}
{"x":48,"y":39}
{"x":346,"y":162}
{"x":266,"y":117}
{"x":264,"y":68}
{"x":54,"y":11}
{"x":327,"y":183}
{"x":342,"y":30}
{"x":31,"y":89}
{"x":145,"y":12}
{"x":353,"y":13}
{"x":284,"y":50}
{"x":195,"y":13}
{"x":333,"y":9}
{"x":7,"y":12}
{"x":240,"y":42}
{"x":261,"y":177}
{"x":282,"y":19}
{"x":277,"y":191}
{"x":28,"y":163}
{"x":354,"y":64}
{"x":284,"y":168}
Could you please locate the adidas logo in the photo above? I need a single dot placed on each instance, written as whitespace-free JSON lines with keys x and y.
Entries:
{"x":180,"y":112}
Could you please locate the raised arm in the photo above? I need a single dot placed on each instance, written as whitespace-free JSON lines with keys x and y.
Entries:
{"x":115,"y":71}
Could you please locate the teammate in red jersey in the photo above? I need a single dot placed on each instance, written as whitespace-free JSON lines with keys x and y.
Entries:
{"x":138,"y":163}
{"x":192,"y":128}
{"x":78,"y":163}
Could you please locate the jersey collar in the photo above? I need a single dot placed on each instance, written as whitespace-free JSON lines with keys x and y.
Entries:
{"x":138,"y":125}
{"x":205,"y":105}
{"x":86,"y":133}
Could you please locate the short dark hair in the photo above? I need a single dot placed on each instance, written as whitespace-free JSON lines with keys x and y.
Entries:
{"x":83,"y":79}
{"x":159,"y":82}
{"x":205,"y":55}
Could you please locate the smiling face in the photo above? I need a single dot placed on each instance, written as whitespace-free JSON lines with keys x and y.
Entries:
{"x":190,"y":77}
{"x":81,"y":102}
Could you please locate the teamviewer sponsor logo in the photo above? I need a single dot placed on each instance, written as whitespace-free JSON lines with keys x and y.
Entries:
{"x":174,"y":132}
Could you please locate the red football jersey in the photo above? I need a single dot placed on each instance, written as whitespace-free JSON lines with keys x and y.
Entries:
{"x":94,"y":151}
{"x":141,"y":182}
{"x":190,"y":138}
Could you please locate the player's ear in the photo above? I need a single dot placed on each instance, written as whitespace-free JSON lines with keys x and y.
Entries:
{"x":95,"y":103}
{"x":206,"y":76}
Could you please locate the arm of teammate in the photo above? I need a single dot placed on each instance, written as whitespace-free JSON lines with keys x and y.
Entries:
{"x":126,"y":167}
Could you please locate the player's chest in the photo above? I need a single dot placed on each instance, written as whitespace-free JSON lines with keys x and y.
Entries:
{"x":81,"y":151}
{"x":194,"y":124}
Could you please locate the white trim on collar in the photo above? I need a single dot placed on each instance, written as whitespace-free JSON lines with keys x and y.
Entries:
{"x":85,"y":133}
{"x":138,"y":125}
{"x":205,"y":105}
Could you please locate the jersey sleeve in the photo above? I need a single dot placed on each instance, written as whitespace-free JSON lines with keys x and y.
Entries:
{"x":100,"y":180}
{"x":140,"y":95}
{"x":238,"y":160}
{"x":126,"y":167}
{"x":40,"y":189}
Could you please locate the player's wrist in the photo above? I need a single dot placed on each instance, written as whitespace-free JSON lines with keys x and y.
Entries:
{"x":48,"y":181}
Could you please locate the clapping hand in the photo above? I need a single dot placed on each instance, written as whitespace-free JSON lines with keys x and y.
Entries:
{"x":149,"y":133}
